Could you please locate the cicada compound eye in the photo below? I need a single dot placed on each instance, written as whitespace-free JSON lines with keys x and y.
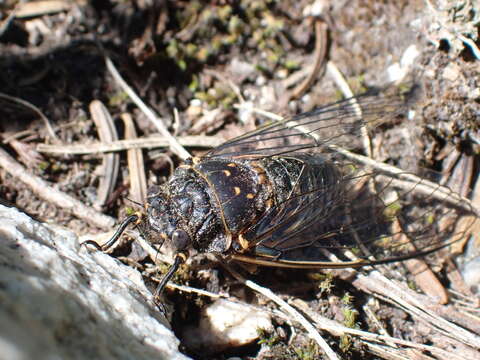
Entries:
{"x":180,"y":239}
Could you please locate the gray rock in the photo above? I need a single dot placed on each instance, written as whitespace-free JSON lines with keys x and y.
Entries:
{"x":58,"y":300}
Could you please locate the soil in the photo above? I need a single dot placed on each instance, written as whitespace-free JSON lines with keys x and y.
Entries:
{"x":197,"y":59}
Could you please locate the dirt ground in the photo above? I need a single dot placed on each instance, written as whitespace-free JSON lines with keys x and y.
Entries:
{"x":192,"y":63}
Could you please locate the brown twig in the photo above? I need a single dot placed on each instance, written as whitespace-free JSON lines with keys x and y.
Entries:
{"x":34,"y":109}
{"x":320,"y":56}
{"x":6,"y":23}
{"x":46,"y":192}
{"x":111,"y":162}
{"x":136,"y":168}
{"x":155,"y":141}
{"x":420,"y":307}
{"x":423,"y":275}
{"x":158,"y":123}
{"x":338,"y":330}
{"x":312,"y":331}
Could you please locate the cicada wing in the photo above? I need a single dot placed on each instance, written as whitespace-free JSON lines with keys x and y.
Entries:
{"x":373,"y":213}
{"x":337,"y":124}
{"x":367,"y":215}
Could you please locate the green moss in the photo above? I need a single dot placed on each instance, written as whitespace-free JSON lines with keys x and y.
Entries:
{"x":355,"y":251}
{"x":194,"y":84}
{"x":291,"y":65}
{"x":202,"y":54}
{"x":129,"y":211}
{"x":273,"y":25}
{"x":216,"y":44}
{"x":392,"y":210}
{"x":350,"y":317}
{"x":345,"y":343}
{"x":207,"y":16}
{"x":191,"y":49}
{"x":269,"y":339}
{"x":257,"y":36}
{"x":326,"y":283}
{"x":356,"y":84}
{"x":209,"y":31}
{"x":220,"y":95}
{"x":181,"y":276}
{"x":43,"y":166}
{"x":347,"y":299}
{"x":182,"y":64}
{"x":430,"y":219}
{"x":235,"y":25}
{"x":225,"y":12}
{"x":118,"y":98}
{"x":230,"y":39}
{"x":308,"y":352}
{"x":173,"y":50}
{"x":273,"y":57}
{"x":411,"y":285}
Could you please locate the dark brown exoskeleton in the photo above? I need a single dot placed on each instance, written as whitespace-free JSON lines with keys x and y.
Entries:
{"x":291,"y":194}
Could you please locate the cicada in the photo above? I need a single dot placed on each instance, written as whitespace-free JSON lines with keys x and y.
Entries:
{"x":300,"y":193}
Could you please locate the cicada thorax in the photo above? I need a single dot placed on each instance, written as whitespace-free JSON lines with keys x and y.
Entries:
{"x":185,"y":203}
{"x":227,"y":204}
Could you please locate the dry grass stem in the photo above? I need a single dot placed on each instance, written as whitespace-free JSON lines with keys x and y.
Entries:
{"x":289,"y":310}
{"x":338,"y":330}
{"x":227,"y":81}
{"x":36,"y":110}
{"x":136,"y":167}
{"x":339,"y":79}
{"x":174,"y":144}
{"x":420,"y":307}
{"x":311,"y":330}
{"x":320,"y":56}
{"x":42,"y":7}
{"x":192,"y":290}
{"x":54,"y":196}
{"x":151,"y":142}
{"x":111,"y":162}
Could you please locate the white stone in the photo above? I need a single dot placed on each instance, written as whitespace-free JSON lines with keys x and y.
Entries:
{"x":315,"y":9}
{"x":245,"y":112}
{"x":409,"y":56}
{"x":397,"y":71}
{"x":471,"y":274}
{"x":451,"y":72}
{"x":61,"y":301}
{"x":226,"y":324}
{"x":475,"y":94}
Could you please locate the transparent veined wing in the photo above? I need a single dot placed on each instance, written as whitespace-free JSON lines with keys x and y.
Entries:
{"x":355,"y":208}
{"x":336,"y":124}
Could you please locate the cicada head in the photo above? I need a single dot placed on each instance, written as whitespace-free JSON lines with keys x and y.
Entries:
{"x":163,"y":222}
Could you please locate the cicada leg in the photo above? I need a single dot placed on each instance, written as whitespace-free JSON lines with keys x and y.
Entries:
{"x":135,"y":218}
